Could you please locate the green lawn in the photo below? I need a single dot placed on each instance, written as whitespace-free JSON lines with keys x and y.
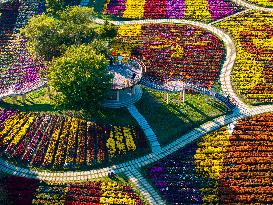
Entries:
{"x":39,"y":101}
{"x":170,"y":121}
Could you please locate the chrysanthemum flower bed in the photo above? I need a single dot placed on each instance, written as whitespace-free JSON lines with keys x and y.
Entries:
{"x":59,"y":142}
{"x":202,"y":10}
{"x":221,"y":167}
{"x":18,"y":190}
{"x":19,"y":72}
{"x":253,"y":71}
{"x":169,"y":52}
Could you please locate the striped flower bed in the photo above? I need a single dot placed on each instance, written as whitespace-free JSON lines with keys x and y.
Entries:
{"x":229,"y":166}
{"x":203,"y":10}
{"x":63,"y":142}
{"x":19,"y":190}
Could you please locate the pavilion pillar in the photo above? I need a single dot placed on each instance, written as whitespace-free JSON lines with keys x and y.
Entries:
{"x":183,"y":96}
{"x":134,"y":90}
{"x":14,"y":99}
{"x":24,"y":98}
{"x":118,"y":95}
{"x":168,"y":98}
{"x":48,"y":91}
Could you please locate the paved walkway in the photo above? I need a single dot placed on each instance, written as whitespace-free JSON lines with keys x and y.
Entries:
{"x":131,"y":167}
{"x":151,"y":137}
{"x":69,"y":176}
{"x":145,"y":188}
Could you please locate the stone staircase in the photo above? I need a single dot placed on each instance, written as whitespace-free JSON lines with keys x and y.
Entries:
{"x":146,"y":128}
{"x":124,"y":102}
{"x":145,"y":188}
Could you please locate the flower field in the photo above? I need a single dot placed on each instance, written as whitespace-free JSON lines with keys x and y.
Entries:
{"x":221,"y":168}
{"x":22,"y":75}
{"x":94,"y":192}
{"x":19,"y":71}
{"x":247,"y":171}
{"x":202,"y":10}
{"x":171,"y":52}
{"x":252,"y":73}
{"x":40,"y":132}
{"x":64,"y":142}
{"x":264,"y":3}
{"x":18,"y":190}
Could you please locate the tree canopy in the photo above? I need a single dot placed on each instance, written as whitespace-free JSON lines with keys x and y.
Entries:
{"x":81,"y":76}
{"x":54,"y":6}
{"x":49,"y":36}
{"x":76,"y":50}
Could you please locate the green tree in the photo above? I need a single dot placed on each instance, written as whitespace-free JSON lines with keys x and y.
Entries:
{"x":81,"y":76}
{"x":77,"y":25}
{"x":43,"y":34}
{"x":49,"y":37}
{"x":54,"y":6}
{"x":107,"y":31}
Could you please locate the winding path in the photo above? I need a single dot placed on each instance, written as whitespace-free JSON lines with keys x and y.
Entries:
{"x":131,"y":168}
{"x":69,"y":176}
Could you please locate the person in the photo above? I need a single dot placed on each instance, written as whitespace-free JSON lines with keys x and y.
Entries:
{"x":119,"y":59}
{"x":111,"y":60}
{"x":133,"y":76}
{"x":111,"y":174}
{"x":126,"y":83}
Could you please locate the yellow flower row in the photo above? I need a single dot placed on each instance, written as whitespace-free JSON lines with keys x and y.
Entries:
{"x":119,"y":140}
{"x":72,"y":140}
{"x":134,"y":9}
{"x":15,"y":128}
{"x":114,"y":194}
{"x":23,"y":130}
{"x":130,"y":143}
{"x":112,"y":200}
{"x":9,"y":123}
{"x":115,"y":142}
{"x":52,"y":144}
{"x":130,"y":30}
{"x":62,"y":143}
{"x":197,"y":9}
{"x":209,"y":155}
{"x":111,"y":145}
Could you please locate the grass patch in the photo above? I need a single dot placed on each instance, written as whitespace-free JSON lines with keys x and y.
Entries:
{"x":39,"y":101}
{"x":170,"y":121}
